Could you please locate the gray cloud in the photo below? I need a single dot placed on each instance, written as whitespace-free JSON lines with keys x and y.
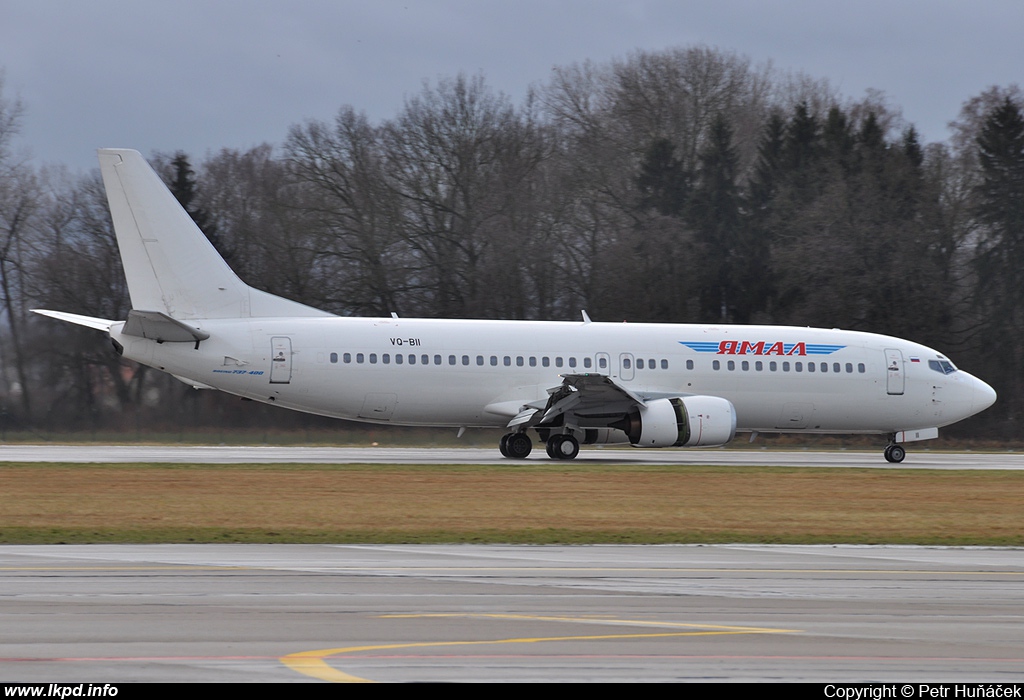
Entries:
{"x":199,"y":75}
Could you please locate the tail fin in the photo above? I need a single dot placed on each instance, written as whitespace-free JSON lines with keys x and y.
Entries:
{"x":170,"y":265}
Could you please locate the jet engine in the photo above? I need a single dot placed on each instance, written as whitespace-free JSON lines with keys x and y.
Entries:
{"x":694,"y":421}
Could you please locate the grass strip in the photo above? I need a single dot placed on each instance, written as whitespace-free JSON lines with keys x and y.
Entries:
{"x":540,"y":503}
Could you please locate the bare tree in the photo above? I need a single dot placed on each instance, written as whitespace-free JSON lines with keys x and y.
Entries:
{"x":19,"y":203}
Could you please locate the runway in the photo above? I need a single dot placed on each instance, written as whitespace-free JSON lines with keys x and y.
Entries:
{"x":295,"y":613}
{"x":314,"y":613}
{"x":396,"y":455}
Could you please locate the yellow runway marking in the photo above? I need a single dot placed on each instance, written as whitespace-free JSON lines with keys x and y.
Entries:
{"x":312,"y":663}
{"x":607,"y":621}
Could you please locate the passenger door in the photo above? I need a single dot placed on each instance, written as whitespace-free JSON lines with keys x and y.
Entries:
{"x":894,"y":377}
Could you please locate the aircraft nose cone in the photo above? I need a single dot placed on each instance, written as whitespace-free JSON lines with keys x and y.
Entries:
{"x":984,"y":396}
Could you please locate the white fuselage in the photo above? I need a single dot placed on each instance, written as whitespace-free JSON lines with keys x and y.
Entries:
{"x":481,"y":373}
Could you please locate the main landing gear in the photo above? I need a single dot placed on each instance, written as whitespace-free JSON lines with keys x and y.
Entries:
{"x":519,"y":446}
{"x":894,"y":453}
{"x":563,"y":446}
{"x":515,"y":445}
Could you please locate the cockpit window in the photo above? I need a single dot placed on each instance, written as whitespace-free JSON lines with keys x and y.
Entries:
{"x":942,"y":366}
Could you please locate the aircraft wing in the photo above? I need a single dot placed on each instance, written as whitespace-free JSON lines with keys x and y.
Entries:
{"x":583,"y":394}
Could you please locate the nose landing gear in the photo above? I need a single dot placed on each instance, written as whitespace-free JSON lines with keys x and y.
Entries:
{"x":894,"y":453}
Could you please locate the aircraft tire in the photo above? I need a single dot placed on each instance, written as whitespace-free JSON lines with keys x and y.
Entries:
{"x":518,"y":445}
{"x":503,"y":445}
{"x":895,"y":454}
{"x":563,"y":447}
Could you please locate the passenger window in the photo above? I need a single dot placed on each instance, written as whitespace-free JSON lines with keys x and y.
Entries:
{"x":373,"y":358}
{"x":347,"y":357}
{"x":798,"y":366}
{"x":626,"y":364}
{"x":480,"y":360}
{"x":437,"y":359}
{"x":810,"y":366}
{"x":849,"y":368}
{"x":745,"y":365}
{"x":586,"y":362}
{"x":639,"y":363}
{"x":544,"y":361}
{"x":785,"y":366}
{"x":861,"y":368}
{"x":836,"y":368}
{"x":412,"y":359}
{"x":689,"y":364}
{"x":773,"y":366}
{"x":386,"y":359}
{"x":558,"y":362}
{"x":759,"y":366}
{"x":824,"y":367}
{"x":334,"y":357}
{"x":359,"y":358}
{"x":398,"y":359}
{"x":465,"y":360}
{"x":602,"y":363}
{"x":716,"y":365}
{"x":731,"y":365}
{"x":494,"y":360}
{"x":664,"y":364}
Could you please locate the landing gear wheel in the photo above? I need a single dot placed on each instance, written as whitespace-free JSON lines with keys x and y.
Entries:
{"x":563,"y":447}
{"x":895,"y":454}
{"x":517,"y":445}
{"x":503,"y":445}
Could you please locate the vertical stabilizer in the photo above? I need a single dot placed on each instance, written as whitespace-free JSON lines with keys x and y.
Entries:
{"x":170,"y":265}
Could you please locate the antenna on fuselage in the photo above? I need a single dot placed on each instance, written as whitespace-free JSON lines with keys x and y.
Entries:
{"x":586,"y":318}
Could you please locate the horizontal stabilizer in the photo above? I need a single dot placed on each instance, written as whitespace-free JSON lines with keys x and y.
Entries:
{"x":100,"y":324}
{"x":160,"y":327}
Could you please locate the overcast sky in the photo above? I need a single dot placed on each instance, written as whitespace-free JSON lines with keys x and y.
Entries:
{"x":201,"y":75}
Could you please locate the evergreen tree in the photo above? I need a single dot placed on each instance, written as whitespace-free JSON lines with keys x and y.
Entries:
{"x":663,"y":182}
{"x":714,"y":214}
{"x":1000,"y":253}
{"x":183,"y":187}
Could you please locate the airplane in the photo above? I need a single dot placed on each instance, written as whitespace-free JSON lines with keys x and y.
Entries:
{"x":570,"y":383}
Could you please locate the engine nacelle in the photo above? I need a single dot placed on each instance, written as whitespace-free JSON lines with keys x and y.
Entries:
{"x":694,"y":421}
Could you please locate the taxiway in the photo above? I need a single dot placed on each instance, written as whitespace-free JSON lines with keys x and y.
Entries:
{"x":118,"y":613}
